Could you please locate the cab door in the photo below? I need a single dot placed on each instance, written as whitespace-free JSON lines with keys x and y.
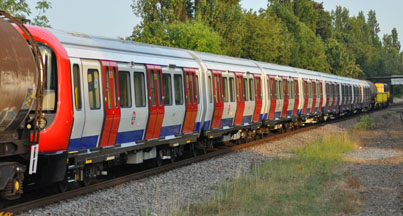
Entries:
{"x":112,"y":104}
{"x":218,"y":99}
{"x":239,"y":98}
{"x":258,"y":98}
{"x":190,"y":100}
{"x":155,"y":101}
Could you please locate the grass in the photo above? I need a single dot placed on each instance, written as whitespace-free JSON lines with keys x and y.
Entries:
{"x":365,"y":122}
{"x":305,"y":184}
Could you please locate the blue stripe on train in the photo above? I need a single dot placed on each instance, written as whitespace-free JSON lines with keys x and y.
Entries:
{"x":197,"y":126}
{"x":308,"y":110}
{"x":226,"y":122}
{"x":206,"y":125}
{"x":83,"y":143}
{"x":277,"y":114}
{"x":265,"y":116}
{"x":289,"y":112}
{"x":129,"y":136}
{"x":246,"y":119}
{"x":170,"y":130}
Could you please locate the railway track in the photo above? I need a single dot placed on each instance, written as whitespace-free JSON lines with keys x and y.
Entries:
{"x":225,"y":149}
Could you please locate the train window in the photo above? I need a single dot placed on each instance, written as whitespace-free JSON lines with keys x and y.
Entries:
{"x":192,"y":83}
{"x":50,"y":65}
{"x":268,"y":88}
{"x":108,"y":88}
{"x":251,"y":90}
{"x":225,"y":88}
{"x":178,"y":89}
{"x":125,"y":89}
{"x":210,"y":89}
{"x":77,"y":87}
{"x":139,"y":89}
{"x":115,"y":87}
{"x":317,"y":90}
{"x":310,"y":90}
{"x":281,"y":93}
{"x":187,"y":84}
{"x":296,"y":90}
{"x":290,"y":89}
{"x":197,"y":89}
{"x":159,"y":89}
{"x":277,"y":89}
{"x":93,"y":89}
{"x":231,"y":89}
{"x":152,"y":88}
{"x":167,"y":85}
{"x":246,"y":90}
{"x":258,"y":89}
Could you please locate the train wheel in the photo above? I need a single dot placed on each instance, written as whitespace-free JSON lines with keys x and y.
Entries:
{"x":194,"y":150}
{"x":13,"y":189}
{"x":63,"y":186}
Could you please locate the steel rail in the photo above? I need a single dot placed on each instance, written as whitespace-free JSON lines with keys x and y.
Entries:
{"x":153,"y":171}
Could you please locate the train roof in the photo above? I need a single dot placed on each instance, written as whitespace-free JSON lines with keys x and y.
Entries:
{"x":83,"y":46}
{"x":224,"y":63}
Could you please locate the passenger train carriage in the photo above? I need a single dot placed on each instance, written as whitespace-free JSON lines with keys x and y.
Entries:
{"x":109,"y":102}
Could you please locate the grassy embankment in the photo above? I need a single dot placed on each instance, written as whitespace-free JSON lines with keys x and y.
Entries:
{"x":307,"y":183}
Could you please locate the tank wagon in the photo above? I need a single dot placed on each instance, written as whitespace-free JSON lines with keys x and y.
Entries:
{"x":108,"y":102}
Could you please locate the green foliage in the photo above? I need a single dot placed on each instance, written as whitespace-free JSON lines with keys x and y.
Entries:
{"x":299,"y":33}
{"x":195,"y":36}
{"x":20,"y":9}
{"x":365,"y":123}
{"x":301,"y":185}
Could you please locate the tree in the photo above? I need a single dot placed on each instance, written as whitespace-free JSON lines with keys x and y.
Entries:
{"x":395,"y":40}
{"x":41,"y":19}
{"x":20,"y":9}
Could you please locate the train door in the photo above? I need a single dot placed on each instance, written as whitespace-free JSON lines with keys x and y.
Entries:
{"x":313,"y":85}
{"x":239,"y":98}
{"x":112,"y":104}
{"x":218,"y":99}
{"x":285,"y":97}
{"x":258,"y":98}
{"x":306,"y":99}
{"x":93,"y":106}
{"x":190,"y":100}
{"x":78,"y":106}
{"x":155,"y":101}
{"x":273,"y":93}
{"x":296,"y":96}
{"x":328,"y":95}
{"x":320,"y":87}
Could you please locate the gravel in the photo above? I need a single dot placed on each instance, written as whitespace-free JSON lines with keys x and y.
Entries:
{"x":380,"y":177}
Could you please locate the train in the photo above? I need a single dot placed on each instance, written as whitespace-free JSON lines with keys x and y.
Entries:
{"x":107,"y":102}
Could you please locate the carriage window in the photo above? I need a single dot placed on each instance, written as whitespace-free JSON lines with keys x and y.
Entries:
{"x":310,"y":90}
{"x":246,"y":90}
{"x":167,"y":85}
{"x":317,"y":90}
{"x":197,"y":89}
{"x":225,"y":88}
{"x":231,"y":89}
{"x":178,"y":89}
{"x":192,"y":83}
{"x":139,"y":89}
{"x":281,"y":89}
{"x":277,"y":89}
{"x":125,"y":89}
{"x":159,"y":89}
{"x":108,"y":88}
{"x":251,"y":90}
{"x":187,"y":84}
{"x":210,"y":89}
{"x":115,"y":87}
{"x":290,"y":89}
{"x":93,"y":89}
{"x":77,"y":87}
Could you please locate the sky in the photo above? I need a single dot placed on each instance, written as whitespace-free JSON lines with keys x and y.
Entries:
{"x":115,"y":18}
